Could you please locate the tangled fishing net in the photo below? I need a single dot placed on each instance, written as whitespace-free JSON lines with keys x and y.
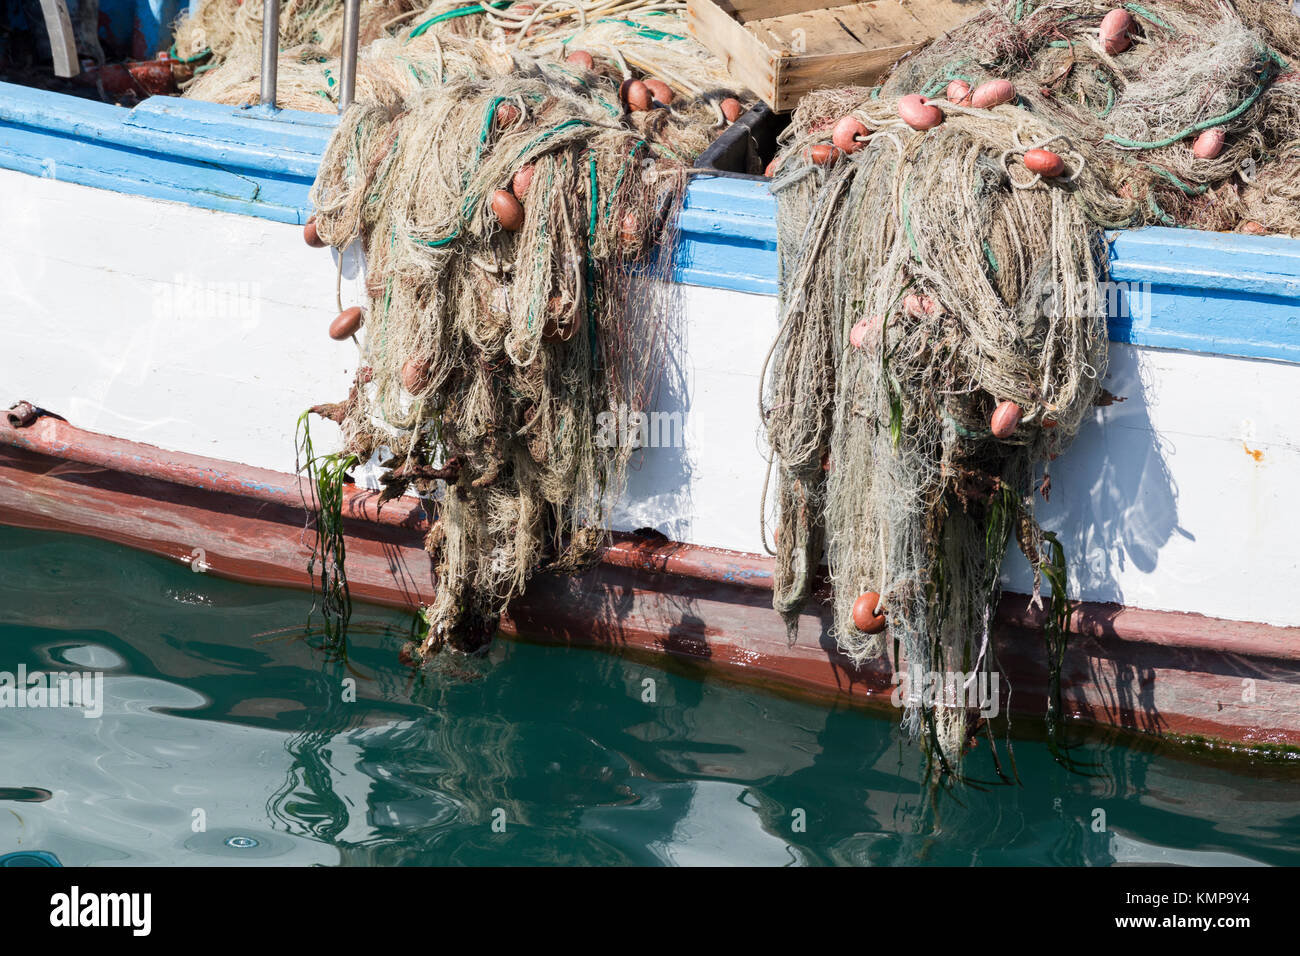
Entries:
{"x":515,"y":214}
{"x":513,"y":184}
{"x":942,"y":303}
{"x":406,"y":46}
{"x":214,"y":31}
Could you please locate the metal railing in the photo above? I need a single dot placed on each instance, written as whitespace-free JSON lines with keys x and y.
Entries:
{"x":63,"y":46}
{"x":271,"y":51}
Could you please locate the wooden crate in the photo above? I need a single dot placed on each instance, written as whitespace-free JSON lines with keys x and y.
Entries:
{"x":784,"y":49}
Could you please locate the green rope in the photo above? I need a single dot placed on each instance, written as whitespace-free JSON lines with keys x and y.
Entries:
{"x":1110,"y":93}
{"x":993,"y":260}
{"x":1228,"y":117}
{"x":591,"y":269}
{"x":1146,"y":14}
{"x":643,"y":31}
{"x":451,"y":15}
{"x":1160,"y":214}
{"x":171,"y":52}
{"x":388,"y":282}
{"x":1186,"y":189}
{"x":618,"y":180}
{"x":595,"y":199}
{"x":536,"y":304}
{"x":438,"y":243}
{"x":940,"y":84}
{"x":555,"y":130}
{"x":963,"y":431}
{"x":489,"y":118}
{"x":671,"y":155}
{"x":471,"y":199}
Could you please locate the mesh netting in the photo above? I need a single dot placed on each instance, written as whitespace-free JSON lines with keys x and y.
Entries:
{"x":516,"y":218}
{"x":942,"y":292}
{"x":406,"y":46}
{"x":943,"y":306}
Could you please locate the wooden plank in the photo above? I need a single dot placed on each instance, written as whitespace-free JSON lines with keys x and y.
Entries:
{"x":784,"y":49}
{"x":843,"y":30}
{"x":935,"y":15}
{"x":939,"y":16}
{"x":809,"y":73}
{"x":747,"y":10}
{"x":743,"y":55}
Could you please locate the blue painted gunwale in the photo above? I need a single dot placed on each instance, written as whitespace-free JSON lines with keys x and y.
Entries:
{"x":1205,"y":292}
{"x":1223,"y":293}
{"x":253,"y":161}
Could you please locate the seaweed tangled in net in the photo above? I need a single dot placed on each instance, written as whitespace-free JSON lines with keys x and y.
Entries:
{"x":498,"y":330}
{"x":935,"y":291}
{"x":492,"y":348}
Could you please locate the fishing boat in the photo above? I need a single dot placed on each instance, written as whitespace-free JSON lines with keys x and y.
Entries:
{"x":164,"y":326}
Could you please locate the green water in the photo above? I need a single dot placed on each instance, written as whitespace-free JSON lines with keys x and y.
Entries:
{"x":226,"y":737}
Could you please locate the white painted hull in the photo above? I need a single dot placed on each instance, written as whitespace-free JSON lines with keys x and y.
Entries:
{"x":1179,"y":499}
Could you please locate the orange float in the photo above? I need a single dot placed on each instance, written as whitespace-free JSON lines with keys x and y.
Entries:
{"x":415,"y":375}
{"x":311,"y":236}
{"x":507,"y":114}
{"x":865,"y":614}
{"x":346,"y":324}
{"x":581,"y":59}
{"x":919,"y":305}
{"x":958,"y":92}
{"x":823,"y":154}
{"x":522,"y":179}
{"x":849,"y":134}
{"x":636,"y":95}
{"x":661,"y":91}
{"x":1116,"y":31}
{"x":508,"y":210}
{"x":1005,"y":419}
{"x":1209,"y":144}
{"x":918,"y":113}
{"x":1044,"y":162}
{"x":992,"y":93}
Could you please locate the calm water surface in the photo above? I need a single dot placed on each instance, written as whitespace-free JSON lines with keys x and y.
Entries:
{"x":227,"y":737}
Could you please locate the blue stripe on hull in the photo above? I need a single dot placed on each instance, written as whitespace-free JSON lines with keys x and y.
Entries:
{"x":1205,"y":292}
{"x":250,"y":161}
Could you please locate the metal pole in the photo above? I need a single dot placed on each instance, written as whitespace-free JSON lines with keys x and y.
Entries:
{"x":63,"y":48}
{"x":351,"y":30}
{"x":270,"y":50}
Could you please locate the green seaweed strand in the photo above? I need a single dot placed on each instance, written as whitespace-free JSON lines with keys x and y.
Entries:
{"x":1056,"y":635}
{"x":326,"y":474}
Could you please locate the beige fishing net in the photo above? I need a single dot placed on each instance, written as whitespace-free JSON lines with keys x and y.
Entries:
{"x":943,"y":329}
{"x":513,"y":186}
{"x":405,"y":46}
{"x":515,"y":213}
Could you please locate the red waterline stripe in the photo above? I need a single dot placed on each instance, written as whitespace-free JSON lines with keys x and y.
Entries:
{"x":55,"y":437}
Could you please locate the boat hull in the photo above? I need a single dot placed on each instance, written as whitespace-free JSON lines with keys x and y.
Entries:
{"x":204,"y":334}
{"x":1158,"y":673}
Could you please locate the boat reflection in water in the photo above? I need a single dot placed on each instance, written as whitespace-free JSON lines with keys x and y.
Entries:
{"x":231,"y":735}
